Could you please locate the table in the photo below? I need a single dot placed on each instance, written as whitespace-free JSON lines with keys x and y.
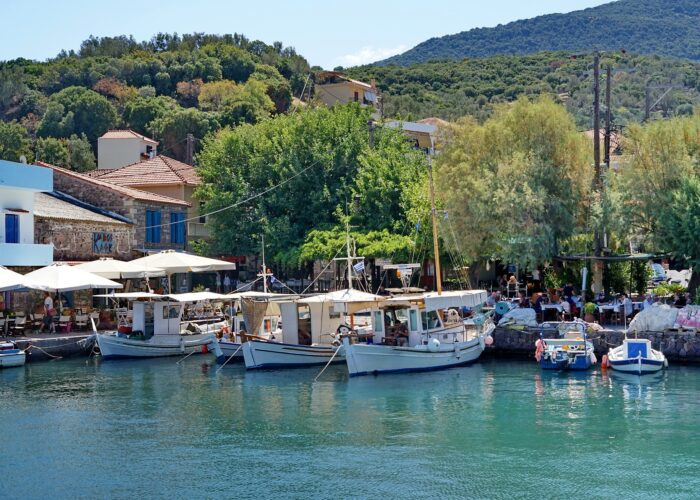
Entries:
{"x":551,"y":307}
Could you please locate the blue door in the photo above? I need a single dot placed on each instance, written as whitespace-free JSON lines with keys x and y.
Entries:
{"x":11,"y":228}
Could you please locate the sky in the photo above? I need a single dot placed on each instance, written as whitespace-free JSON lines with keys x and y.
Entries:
{"x":328,"y":33}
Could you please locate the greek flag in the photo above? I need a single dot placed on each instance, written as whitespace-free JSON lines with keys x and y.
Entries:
{"x":359,"y":267}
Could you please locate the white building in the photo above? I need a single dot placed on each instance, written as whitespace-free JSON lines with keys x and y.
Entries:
{"x":119,"y":148}
{"x":18,"y":185}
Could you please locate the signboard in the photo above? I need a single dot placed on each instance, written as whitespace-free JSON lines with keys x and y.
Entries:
{"x":102,"y":243}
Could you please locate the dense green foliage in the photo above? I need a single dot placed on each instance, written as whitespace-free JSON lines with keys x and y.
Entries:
{"x":452,"y":89}
{"x":152,"y":87}
{"x":665,"y":27}
{"x":517,"y":185}
{"x":323,"y":157}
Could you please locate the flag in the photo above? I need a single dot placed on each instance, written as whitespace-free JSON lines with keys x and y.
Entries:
{"x":359,"y":267}
{"x":274,"y":280}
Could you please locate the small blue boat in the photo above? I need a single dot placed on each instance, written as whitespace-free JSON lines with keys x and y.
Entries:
{"x":572,"y":352}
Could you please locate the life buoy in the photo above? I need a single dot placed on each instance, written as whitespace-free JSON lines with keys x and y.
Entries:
{"x":604,"y":362}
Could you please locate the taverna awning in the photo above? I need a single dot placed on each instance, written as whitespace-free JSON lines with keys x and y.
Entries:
{"x":118,"y":269}
{"x":10,"y":280}
{"x":181,"y":262}
{"x":64,"y":278}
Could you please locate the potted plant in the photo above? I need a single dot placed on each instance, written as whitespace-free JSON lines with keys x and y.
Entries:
{"x":589,"y":310}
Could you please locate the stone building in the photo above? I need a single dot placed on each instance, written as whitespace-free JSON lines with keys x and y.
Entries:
{"x":158,"y":220}
{"x":79,"y":231}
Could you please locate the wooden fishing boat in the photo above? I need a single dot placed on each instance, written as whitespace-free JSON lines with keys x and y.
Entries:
{"x":637,"y":357}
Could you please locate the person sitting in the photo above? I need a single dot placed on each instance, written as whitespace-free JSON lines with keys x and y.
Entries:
{"x":524,"y":301}
{"x":537,"y":303}
{"x":627,"y":305}
{"x":512,"y":286}
{"x":565,"y":309}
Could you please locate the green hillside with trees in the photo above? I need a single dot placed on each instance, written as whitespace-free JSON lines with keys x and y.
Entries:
{"x":166,"y":87}
{"x":663,"y":27}
{"x":452,"y":89}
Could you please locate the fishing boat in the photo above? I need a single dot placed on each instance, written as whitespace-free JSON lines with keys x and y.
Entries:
{"x":11,"y":356}
{"x":421,"y":332}
{"x":571,"y":352}
{"x":154,"y":331}
{"x":636,"y":356}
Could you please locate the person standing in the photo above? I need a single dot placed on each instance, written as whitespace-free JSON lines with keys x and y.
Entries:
{"x":49,"y":313}
{"x":536,"y":280}
{"x":218,"y":283}
{"x":227,"y":283}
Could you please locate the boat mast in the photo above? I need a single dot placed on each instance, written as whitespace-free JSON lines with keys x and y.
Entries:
{"x":349,"y":255}
{"x":264,"y":274}
{"x":433,"y":213}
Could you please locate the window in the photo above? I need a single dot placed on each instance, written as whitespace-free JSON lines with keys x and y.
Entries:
{"x":152,"y":226}
{"x":413,"y":315}
{"x":11,"y":228}
{"x":378,"y":321}
{"x":357,"y":96}
{"x":177,"y":228}
{"x":202,"y":218}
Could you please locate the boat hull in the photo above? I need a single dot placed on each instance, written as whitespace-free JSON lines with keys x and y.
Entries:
{"x":113,"y":347}
{"x":579,"y":362}
{"x":636,"y":357}
{"x":261,"y":355}
{"x":638,"y":366}
{"x":232,"y":351}
{"x":366,"y":359}
{"x":12,"y":358}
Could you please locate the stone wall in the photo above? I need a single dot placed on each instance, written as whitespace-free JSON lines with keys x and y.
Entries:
{"x":135,"y":210}
{"x":73,"y":240}
{"x":677,"y":346}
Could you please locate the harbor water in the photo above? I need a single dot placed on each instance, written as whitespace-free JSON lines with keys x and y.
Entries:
{"x":497,"y":429}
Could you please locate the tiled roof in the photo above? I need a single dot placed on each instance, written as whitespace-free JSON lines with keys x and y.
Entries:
{"x":98,"y":172}
{"x":57,"y":206}
{"x":126,"y":134}
{"x":424,"y":128}
{"x":159,"y":170}
{"x":136,"y":194}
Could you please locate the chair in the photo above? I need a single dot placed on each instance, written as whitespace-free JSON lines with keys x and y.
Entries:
{"x":37,"y":321}
{"x":81,"y":321}
{"x":65,"y":323}
{"x":19,"y":325}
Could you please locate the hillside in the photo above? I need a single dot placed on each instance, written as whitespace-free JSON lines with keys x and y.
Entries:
{"x":451,"y":89}
{"x":164,"y":87}
{"x":664,"y":27}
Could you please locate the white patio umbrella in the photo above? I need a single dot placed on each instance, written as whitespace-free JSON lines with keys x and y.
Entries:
{"x":10,"y":280}
{"x":118,"y":269}
{"x":65,"y":278}
{"x":173,"y":262}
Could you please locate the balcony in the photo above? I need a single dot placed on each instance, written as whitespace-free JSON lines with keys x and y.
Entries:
{"x":197,"y":230}
{"x":25,"y":254}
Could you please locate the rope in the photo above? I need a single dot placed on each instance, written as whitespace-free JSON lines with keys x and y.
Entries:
{"x":30,"y":346}
{"x":230,"y":358}
{"x":322,"y":270}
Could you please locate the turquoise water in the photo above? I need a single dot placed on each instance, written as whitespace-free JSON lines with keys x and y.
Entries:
{"x":498,"y":429}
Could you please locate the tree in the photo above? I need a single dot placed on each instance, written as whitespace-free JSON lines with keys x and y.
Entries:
{"x":77,"y":110}
{"x":516,"y":186}
{"x":139,"y":113}
{"x":320,"y":152}
{"x":52,"y":150}
{"x":82,"y":159}
{"x":172,"y":129}
{"x":680,"y":226}
{"x":278,"y":88}
{"x":14,"y":142}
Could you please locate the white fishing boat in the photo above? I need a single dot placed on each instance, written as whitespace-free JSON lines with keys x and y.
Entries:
{"x":154,"y":331}
{"x":420,"y":333}
{"x":637,"y":357}
{"x":10,"y":356}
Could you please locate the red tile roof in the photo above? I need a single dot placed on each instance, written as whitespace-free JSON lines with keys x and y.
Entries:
{"x":136,"y":194}
{"x":126,"y":134}
{"x":160,"y":170}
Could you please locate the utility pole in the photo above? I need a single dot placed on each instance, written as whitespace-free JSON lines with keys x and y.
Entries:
{"x":647,"y":103}
{"x":608,"y":115}
{"x":597,"y":280}
{"x":189,"y":150}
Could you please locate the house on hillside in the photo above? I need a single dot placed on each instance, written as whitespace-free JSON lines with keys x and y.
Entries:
{"x":118,"y":148}
{"x":159,"y":220}
{"x":19,"y":183}
{"x":167,"y":177}
{"x":422,"y":135}
{"x":333,"y":87}
{"x":79,"y":231}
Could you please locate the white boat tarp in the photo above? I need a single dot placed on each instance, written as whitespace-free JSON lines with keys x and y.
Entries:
{"x":131,"y":295}
{"x":457,"y":299}
{"x":654,"y":318}
{"x":65,"y":278}
{"x":198,"y":297}
{"x":114,"y":269}
{"x":519,"y":316}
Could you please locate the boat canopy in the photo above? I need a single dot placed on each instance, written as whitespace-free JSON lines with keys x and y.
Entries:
{"x":197,"y":296}
{"x":131,"y":295}
{"x":459,"y":298}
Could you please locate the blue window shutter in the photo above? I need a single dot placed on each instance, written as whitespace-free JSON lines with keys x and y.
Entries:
{"x":156,"y":228}
{"x":149,"y":229}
